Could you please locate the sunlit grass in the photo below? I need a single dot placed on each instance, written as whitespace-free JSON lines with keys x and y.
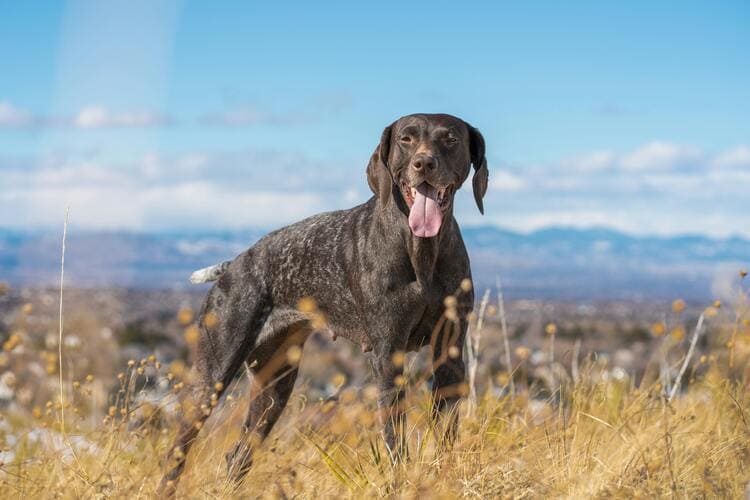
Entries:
{"x":603,"y":435}
{"x":603,"y":439}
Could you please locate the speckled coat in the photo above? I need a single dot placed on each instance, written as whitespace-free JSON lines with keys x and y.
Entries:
{"x":358,"y":274}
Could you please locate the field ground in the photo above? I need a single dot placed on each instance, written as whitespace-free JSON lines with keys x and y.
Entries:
{"x":578,"y":426}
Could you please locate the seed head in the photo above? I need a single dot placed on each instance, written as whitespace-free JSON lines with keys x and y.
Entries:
{"x":678,"y":306}
{"x":522,"y":352}
{"x":502,"y":378}
{"x":185,"y":316}
{"x":307,"y":305}
{"x":450,"y":301}
{"x":293,"y":355}
{"x":191,"y":334}
{"x":210,"y":320}
{"x":677,"y":333}
{"x":398,"y":359}
{"x":338,"y":380}
{"x":658,"y":329}
{"x":370,"y":392}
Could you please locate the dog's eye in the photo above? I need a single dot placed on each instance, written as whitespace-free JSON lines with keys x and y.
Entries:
{"x":450,"y":140}
{"x":406,"y":139}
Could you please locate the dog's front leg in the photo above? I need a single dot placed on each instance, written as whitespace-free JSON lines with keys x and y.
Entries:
{"x":389,"y":379}
{"x":448,"y":386}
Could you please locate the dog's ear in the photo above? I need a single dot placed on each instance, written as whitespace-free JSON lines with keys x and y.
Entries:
{"x":481,"y":174}
{"x":378,"y":175}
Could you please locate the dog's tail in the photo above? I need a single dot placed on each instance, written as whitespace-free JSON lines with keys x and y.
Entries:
{"x":210,"y":273}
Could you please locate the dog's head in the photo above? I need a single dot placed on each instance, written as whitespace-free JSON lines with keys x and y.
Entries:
{"x":420,"y":163}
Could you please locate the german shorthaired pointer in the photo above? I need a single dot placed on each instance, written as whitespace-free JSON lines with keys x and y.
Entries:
{"x":391,"y":275}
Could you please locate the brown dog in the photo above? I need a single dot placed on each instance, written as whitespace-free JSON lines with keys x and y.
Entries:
{"x":378,"y":273}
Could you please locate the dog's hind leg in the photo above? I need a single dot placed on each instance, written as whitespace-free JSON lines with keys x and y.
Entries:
{"x":265,"y":408}
{"x":229,"y":326}
{"x":274,"y":364}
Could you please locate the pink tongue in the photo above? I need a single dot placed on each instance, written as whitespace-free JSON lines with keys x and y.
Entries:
{"x":425,"y":216}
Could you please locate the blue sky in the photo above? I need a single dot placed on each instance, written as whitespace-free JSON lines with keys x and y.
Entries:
{"x":150,"y":115}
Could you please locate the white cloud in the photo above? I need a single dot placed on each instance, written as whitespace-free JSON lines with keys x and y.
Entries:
{"x":735,"y":157}
{"x":156,"y":192}
{"x":13,"y":117}
{"x":80,"y":174}
{"x":352,"y":195}
{"x":656,"y":166}
{"x":92,"y":117}
{"x":657,"y":188}
{"x":579,"y":218}
{"x":205,"y":205}
{"x":591,"y":162}
{"x":270,"y":188}
{"x":506,"y":181}
{"x":135,"y":206}
{"x":660,"y":156}
{"x":641,"y":219}
{"x":89,"y":117}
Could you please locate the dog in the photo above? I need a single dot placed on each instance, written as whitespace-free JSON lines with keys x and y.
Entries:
{"x":391,"y":275}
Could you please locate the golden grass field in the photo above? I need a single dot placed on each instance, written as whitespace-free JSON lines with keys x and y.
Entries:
{"x":600,"y":436}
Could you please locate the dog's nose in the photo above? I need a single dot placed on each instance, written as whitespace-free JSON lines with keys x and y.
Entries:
{"x":423,"y":162}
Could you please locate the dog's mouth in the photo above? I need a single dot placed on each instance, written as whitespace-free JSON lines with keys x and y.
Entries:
{"x":427,"y":204}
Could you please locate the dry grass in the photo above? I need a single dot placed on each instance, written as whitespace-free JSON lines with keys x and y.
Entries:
{"x":603,"y":440}
{"x":600,"y":436}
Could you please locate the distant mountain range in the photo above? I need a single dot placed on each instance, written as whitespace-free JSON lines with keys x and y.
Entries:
{"x":561,"y":263}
